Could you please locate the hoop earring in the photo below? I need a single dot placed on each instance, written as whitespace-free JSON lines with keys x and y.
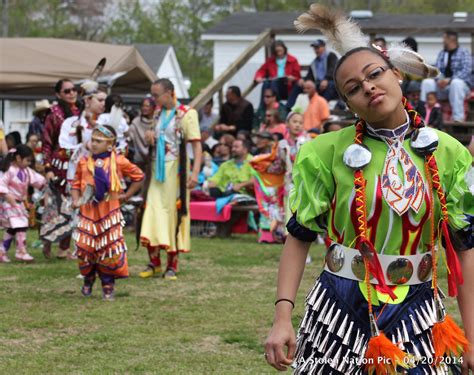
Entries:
{"x":110,"y":148}
{"x":400,"y":81}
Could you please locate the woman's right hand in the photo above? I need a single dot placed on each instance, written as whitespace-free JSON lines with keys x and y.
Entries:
{"x":281,"y":335}
{"x":150,"y":137}
{"x":11,"y":200}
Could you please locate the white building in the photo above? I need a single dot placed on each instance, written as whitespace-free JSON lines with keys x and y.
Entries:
{"x":235,"y":33}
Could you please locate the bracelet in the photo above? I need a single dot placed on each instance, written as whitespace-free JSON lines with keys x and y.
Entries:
{"x":285,"y":299}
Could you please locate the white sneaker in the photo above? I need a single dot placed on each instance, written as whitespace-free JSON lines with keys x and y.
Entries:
{"x":24,"y":257}
{"x":4,"y":258}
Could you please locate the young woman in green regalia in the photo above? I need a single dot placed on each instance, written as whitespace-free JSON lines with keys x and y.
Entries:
{"x":391,"y":196}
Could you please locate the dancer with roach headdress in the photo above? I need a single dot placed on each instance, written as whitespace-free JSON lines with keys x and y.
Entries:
{"x":166,"y":222}
{"x":389,"y":193}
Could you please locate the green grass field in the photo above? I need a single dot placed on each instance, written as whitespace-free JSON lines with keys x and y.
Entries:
{"x":212,"y":320}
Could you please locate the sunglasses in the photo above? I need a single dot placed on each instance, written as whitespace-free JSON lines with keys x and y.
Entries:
{"x":68,"y":91}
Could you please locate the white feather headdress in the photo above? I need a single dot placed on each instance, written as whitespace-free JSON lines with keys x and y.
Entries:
{"x":345,"y":35}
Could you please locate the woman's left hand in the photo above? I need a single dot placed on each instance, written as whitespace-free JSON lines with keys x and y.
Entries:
{"x":467,"y":362}
{"x":192,"y":182}
{"x":123,"y":198}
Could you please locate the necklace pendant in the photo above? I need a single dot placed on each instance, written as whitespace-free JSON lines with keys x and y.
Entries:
{"x":357,"y":156}
{"x":424,"y":141}
{"x":99,"y":163}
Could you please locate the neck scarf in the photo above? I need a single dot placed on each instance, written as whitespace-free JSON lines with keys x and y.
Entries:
{"x":400,"y":192}
{"x":160,"y":144}
{"x":101,"y":177}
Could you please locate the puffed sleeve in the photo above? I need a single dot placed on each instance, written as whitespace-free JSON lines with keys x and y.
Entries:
{"x":190,"y":123}
{"x":459,"y":198}
{"x":130,"y":170}
{"x":313,"y":189}
{"x":36,"y":180}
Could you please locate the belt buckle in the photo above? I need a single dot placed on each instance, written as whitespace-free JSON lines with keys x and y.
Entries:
{"x":400,"y":271}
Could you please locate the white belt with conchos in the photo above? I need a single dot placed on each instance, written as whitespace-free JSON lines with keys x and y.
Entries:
{"x":346,"y":262}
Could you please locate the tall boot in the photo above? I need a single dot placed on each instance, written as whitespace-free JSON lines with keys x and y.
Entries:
{"x":21,"y":253}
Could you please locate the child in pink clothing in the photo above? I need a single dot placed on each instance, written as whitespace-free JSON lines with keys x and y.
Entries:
{"x":13,"y":192}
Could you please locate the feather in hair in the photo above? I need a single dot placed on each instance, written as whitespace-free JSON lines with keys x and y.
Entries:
{"x":410,"y":62}
{"x":89,"y":87}
{"x":116,"y":115}
{"x":98,"y":69}
{"x":342,"y":33}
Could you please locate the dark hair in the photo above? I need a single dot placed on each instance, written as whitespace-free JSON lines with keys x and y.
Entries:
{"x":211,"y":102}
{"x":245,"y":143}
{"x":380,"y":39}
{"x":15,"y":137}
{"x":62,"y":104}
{"x":245,"y":133}
{"x":23,"y":151}
{"x":452,"y":33}
{"x":351,"y":52}
{"x":59,"y":85}
{"x":432,"y":93}
{"x":165,"y":83}
{"x":235,"y":90}
{"x":270,"y":89}
{"x":411,"y":42}
{"x":112,"y":100}
{"x":277,"y":43}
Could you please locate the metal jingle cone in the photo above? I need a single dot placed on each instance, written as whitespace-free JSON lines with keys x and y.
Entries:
{"x":424,"y":324}
{"x":426,"y":316}
{"x":400,"y":340}
{"x":405,"y":338}
{"x":347,"y":336}
{"x":318,"y":301}
{"x":439,"y":308}
{"x":334,"y":321}
{"x":344,"y":361}
{"x":374,"y":330}
{"x":322,"y":346}
{"x":416,"y":329}
{"x":340,"y":332}
{"x":427,"y":351}
{"x":336,"y":358}
{"x":424,"y":141}
{"x":331,"y":348}
{"x":357,"y":156}
{"x":323,"y":312}
{"x":328,"y":317}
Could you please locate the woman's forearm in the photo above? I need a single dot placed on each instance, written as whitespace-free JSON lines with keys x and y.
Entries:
{"x":290,"y":272}
{"x":466,"y":293}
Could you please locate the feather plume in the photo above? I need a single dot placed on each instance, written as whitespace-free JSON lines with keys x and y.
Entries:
{"x":89,"y":87}
{"x":342,"y":33}
{"x":410,"y":62}
{"x":98,"y":69}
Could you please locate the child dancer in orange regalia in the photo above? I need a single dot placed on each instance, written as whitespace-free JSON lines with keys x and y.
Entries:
{"x":101,"y":248}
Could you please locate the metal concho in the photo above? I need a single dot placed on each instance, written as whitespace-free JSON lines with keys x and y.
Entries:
{"x":400,"y":271}
{"x":357,"y":156}
{"x":424,"y":141}
{"x":424,"y":268}
{"x":358,"y":267}
{"x":335,"y":258}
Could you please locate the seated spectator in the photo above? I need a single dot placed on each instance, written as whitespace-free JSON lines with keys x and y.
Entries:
{"x":221,"y":153}
{"x":138,"y":145}
{"x":433,"y":117}
{"x":209,"y":169}
{"x":264,"y":142}
{"x":380,"y":41}
{"x":227,"y":139}
{"x":269,"y":102}
{"x":273,"y":123}
{"x":235,"y":175}
{"x":36,"y":126}
{"x":236,"y":113}
{"x":318,"y":108}
{"x":281,"y":71}
{"x":207,"y":117}
{"x":321,"y":72}
{"x":413,"y":95}
{"x":455,"y":65}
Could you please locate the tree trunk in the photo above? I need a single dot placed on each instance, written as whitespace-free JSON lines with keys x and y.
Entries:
{"x":5,"y":19}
